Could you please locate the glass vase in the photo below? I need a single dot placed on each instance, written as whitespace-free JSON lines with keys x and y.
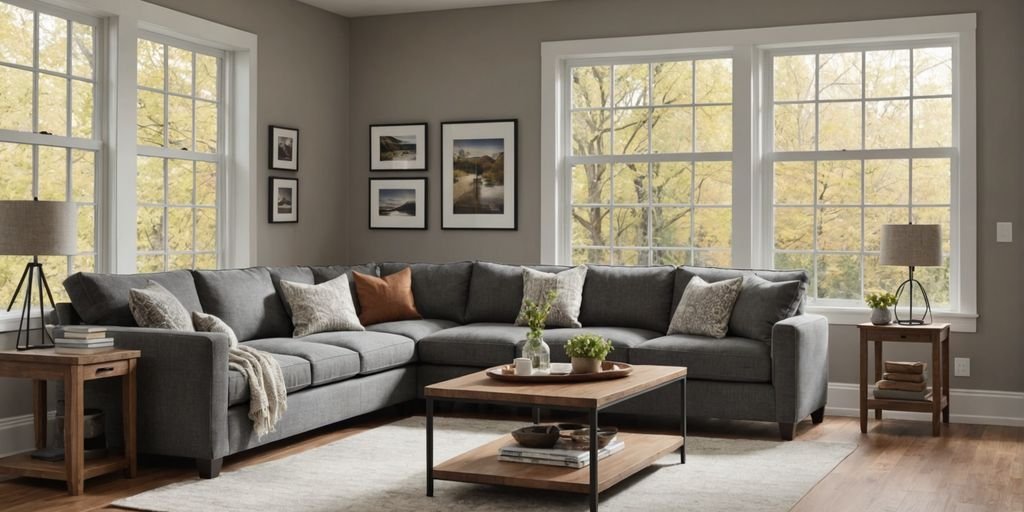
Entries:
{"x":539,"y":354}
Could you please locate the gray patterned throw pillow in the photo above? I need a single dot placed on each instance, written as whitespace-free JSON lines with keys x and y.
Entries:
{"x":568,"y":284}
{"x":705,"y":308}
{"x":210,"y":323}
{"x":155,"y":307}
{"x":321,"y":307}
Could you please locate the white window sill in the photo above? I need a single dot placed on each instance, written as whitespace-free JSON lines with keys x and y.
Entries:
{"x":958,"y":322}
{"x":9,"y":320}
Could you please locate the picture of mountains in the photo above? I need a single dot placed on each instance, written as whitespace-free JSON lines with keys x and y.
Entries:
{"x":478,"y":170}
{"x":400,"y":202}
{"x":397,"y":148}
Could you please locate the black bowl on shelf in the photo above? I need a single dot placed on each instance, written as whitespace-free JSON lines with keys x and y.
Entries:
{"x":536,"y":436}
{"x":605,"y":435}
{"x":568,"y":428}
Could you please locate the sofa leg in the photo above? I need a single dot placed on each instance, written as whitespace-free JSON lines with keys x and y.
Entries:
{"x":818,"y":416}
{"x":787,"y":431}
{"x":209,"y":468}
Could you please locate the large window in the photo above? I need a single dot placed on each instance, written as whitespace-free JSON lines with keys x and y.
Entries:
{"x":49,"y":144}
{"x":767,"y":148}
{"x":651,"y":152}
{"x":179,"y":112}
{"x":860,"y":139}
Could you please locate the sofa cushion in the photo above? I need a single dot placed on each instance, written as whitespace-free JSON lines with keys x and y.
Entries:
{"x":705,"y":308}
{"x":327,"y":363}
{"x":320,"y":307}
{"x":296,"y":376}
{"x":386,"y":299}
{"x":622,"y":338}
{"x":723,"y":359}
{"x":378,"y":351}
{"x":479,"y":345}
{"x":325,"y":273}
{"x":711,"y":275}
{"x":496,"y":291}
{"x":440,"y":290}
{"x":413,"y":329}
{"x":102,"y":299}
{"x":628,"y":297}
{"x":246,"y":300}
{"x":294,"y":274}
{"x":155,"y":307}
{"x":761,"y":304}
{"x":567,"y":290}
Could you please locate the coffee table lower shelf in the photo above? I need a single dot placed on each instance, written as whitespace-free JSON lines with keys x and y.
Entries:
{"x":481,"y":465}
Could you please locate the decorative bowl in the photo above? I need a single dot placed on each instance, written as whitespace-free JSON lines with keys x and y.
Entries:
{"x":605,"y":435}
{"x":536,"y":436}
{"x":568,"y":428}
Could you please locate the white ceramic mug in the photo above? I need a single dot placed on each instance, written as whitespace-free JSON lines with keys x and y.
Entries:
{"x":523,"y":366}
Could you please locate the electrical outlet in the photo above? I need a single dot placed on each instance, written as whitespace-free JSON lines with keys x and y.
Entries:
{"x":1004,"y":232}
{"x":962,"y":367}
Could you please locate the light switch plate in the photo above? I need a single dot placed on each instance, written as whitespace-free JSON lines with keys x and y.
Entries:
{"x":1004,"y":231}
{"x":962,"y":367}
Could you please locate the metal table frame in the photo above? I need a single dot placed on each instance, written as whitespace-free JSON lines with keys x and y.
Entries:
{"x":592,"y":414}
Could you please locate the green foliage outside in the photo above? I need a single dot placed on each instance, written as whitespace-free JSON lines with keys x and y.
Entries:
{"x":588,"y":346}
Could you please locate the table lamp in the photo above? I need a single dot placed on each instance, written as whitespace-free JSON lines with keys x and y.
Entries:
{"x":912,"y":245}
{"x":36,"y":228}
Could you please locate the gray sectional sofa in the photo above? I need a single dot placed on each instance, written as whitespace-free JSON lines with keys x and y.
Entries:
{"x":191,"y":405}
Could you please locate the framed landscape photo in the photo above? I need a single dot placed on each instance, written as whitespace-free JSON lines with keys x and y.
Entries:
{"x":398,"y":147}
{"x":284,"y":148}
{"x":398,"y":203}
{"x":479,"y":175}
{"x":284,"y":200}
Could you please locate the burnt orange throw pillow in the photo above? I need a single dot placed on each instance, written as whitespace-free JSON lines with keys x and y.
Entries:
{"x":386,"y":299}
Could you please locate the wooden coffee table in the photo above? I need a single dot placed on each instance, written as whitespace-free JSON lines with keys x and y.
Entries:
{"x":481,"y":465}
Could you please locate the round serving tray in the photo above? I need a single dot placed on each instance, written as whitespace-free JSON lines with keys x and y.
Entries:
{"x":609,"y":370}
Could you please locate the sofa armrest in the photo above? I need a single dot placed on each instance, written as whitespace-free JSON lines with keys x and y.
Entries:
{"x":800,"y":366}
{"x":182,"y":391}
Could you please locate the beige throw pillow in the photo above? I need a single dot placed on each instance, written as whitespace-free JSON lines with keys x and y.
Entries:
{"x":321,"y":307}
{"x":568,"y":284}
{"x":210,"y":323}
{"x":155,"y":307}
{"x":705,"y":308}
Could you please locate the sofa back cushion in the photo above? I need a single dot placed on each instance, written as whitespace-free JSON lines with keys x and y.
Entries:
{"x":324,"y":273}
{"x":294,"y":274}
{"x":102,"y":299}
{"x":496,"y":291}
{"x":440,"y":290}
{"x":246,"y":300}
{"x":638,"y":297}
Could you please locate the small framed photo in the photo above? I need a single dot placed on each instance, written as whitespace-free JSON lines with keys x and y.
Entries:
{"x":478,"y":175}
{"x":284,"y":200}
{"x":398,"y":203}
{"x":398,"y":147}
{"x":284,"y":148}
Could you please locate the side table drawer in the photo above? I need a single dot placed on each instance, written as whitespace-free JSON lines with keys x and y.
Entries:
{"x":901,"y":335}
{"x":104,"y":370}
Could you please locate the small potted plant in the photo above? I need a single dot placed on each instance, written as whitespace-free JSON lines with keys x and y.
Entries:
{"x":880,"y":303}
{"x":587,"y":351}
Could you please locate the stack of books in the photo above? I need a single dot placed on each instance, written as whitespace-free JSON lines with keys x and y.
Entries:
{"x":80,"y":339}
{"x":903,"y":381}
{"x":564,"y":454}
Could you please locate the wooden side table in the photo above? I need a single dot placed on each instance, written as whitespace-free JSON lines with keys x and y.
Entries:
{"x":935,"y":334}
{"x":44,"y":364}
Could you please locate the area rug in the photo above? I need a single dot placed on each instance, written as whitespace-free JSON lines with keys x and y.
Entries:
{"x":384,"y":470}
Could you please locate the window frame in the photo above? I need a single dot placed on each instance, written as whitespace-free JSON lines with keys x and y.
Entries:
{"x":752,"y":193}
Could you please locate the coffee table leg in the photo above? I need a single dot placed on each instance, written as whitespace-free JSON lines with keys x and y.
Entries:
{"x":430,"y":447}
{"x":682,"y":414}
{"x":593,"y":460}
{"x":536,"y":415}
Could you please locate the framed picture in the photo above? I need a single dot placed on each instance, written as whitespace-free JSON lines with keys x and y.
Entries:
{"x":284,"y":200}
{"x":398,"y":203}
{"x":284,"y":148}
{"x":398,"y":147}
{"x":479,"y":175}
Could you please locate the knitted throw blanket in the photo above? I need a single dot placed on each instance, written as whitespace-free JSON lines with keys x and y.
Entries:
{"x":267,"y":394}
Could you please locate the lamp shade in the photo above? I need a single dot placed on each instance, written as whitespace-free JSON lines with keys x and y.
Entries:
{"x":911,"y":245}
{"x":38,"y":228}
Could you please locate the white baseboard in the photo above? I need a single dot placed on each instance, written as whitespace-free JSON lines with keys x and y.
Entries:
{"x":18,"y":435}
{"x":973,"y":406}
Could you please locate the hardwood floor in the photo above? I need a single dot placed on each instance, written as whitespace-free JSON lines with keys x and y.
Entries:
{"x":897,"y":466}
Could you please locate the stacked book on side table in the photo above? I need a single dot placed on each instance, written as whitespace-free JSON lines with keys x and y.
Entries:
{"x":903,"y":381}
{"x":79,"y":340}
{"x":565,"y":454}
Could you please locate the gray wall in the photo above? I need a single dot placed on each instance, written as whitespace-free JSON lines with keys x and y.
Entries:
{"x":485,"y":63}
{"x":302,"y":83}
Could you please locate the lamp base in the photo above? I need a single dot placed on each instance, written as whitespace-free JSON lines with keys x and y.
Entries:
{"x":926,"y":316}
{"x":33,"y":276}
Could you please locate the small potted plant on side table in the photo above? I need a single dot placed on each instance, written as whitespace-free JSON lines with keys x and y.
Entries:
{"x":586,"y":352}
{"x":880,"y":304}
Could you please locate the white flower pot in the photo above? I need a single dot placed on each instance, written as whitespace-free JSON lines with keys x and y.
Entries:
{"x":881,"y":316}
